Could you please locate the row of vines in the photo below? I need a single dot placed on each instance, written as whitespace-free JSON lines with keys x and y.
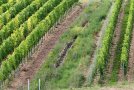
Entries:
{"x":11,"y":13}
{"x":30,"y":32}
{"x":19,"y":19}
{"x":127,"y":38}
{"x":106,"y":41}
{"x":6,"y":6}
{"x":20,"y":34}
{"x":3,"y":2}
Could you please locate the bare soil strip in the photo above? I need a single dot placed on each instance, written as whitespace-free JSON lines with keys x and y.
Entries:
{"x":29,"y":69}
{"x":115,"y":41}
{"x":130,"y":74}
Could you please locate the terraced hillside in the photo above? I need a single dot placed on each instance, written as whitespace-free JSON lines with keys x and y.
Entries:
{"x":66,"y":44}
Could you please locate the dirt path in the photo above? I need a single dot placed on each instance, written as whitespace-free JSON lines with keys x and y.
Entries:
{"x":115,"y":41}
{"x":28,"y":70}
{"x":130,"y":74}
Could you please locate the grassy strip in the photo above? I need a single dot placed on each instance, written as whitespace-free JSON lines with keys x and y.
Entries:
{"x":116,"y":63}
{"x":74,"y":76}
{"x":70,"y":74}
{"x":92,"y":71}
{"x":118,"y":86}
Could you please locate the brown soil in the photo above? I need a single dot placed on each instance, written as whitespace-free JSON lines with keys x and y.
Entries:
{"x":130,"y":74}
{"x":115,"y":41}
{"x":29,"y":69}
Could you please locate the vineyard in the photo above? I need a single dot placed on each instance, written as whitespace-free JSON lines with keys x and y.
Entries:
{"x":66,"y":44}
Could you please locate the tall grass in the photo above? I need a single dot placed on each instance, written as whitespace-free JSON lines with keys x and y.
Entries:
{"x":71,"y":72}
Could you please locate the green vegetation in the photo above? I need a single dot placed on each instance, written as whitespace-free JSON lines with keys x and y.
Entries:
{"x":6,"y":6}
{"x":71,"y":71}
{"x":20,"y":34}
{"x":118,"y":86}
{"x":106,"y":42}
{"x":19,"y":19}
{"x":127,"y":38}
{"x":9,"y":14}
{"x":33,"y":38}
{"x":81,"y":56}
{"x":117,"y":60}
{"x":3,"y":1}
